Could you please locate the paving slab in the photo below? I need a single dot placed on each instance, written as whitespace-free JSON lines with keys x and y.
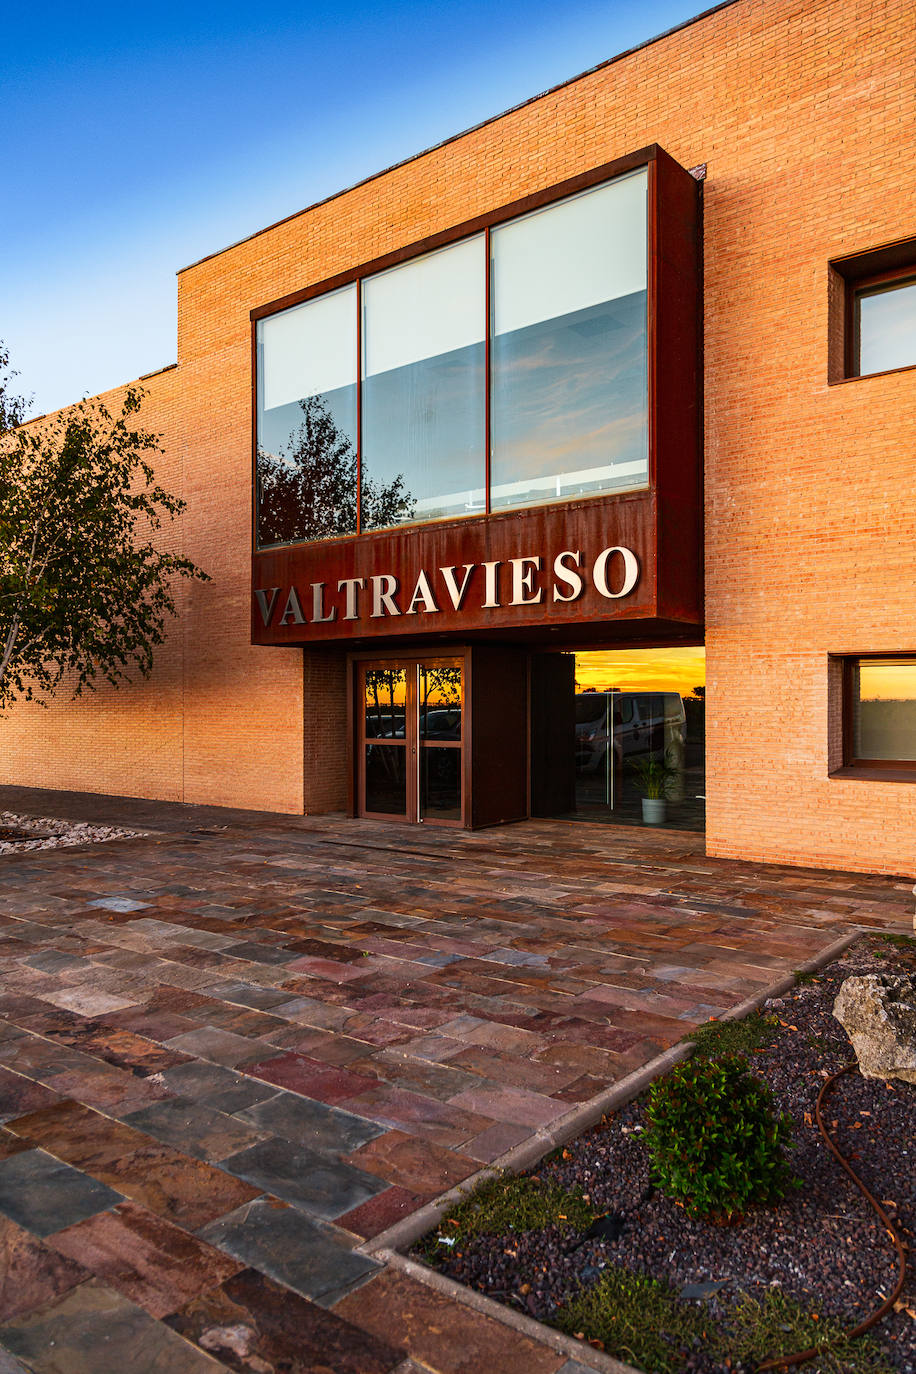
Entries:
{"x":243,"y":1051}
{"x":93,"y":1330}
{"x":280,"y":1241}
{"x":41,"y":1194}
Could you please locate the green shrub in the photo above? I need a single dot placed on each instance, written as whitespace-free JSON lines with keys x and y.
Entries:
{"x":715,"y":1139}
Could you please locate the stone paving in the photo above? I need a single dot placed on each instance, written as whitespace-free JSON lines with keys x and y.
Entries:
{"x":234,"y":1050}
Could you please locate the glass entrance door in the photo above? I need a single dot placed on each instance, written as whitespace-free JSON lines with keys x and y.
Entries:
{"x":410,"y":752}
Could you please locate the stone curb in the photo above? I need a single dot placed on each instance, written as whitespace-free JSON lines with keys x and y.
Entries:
{"x":566,"y":1346}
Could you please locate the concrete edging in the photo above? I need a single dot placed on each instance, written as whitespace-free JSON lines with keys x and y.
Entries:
{"x":567,"y":1346}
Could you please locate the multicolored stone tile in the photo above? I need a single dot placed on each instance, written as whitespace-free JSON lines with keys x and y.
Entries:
{"x":353,"y":1022}
{"x":251,"y":1323}
{"x":442,"y":1335}
{"x":42,"y":1194}
{"x":94,"y":1330}
{"x":287,"y":1246}
{"x":157,"y":1265}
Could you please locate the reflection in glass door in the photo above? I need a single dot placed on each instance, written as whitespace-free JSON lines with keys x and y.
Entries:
{"x":439,"y":720}
{"x":410,"y":740}
{"x":385,"y":747}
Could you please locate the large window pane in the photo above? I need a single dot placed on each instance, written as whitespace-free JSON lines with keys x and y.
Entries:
{"x":887,"y":328}
{"x":569,"y":347}
{"x":423,"y":388}
{"x":884,"y":709}
{"x":307,"y":420}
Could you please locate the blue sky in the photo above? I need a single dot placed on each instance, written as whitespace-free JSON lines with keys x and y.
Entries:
{"x":140,"y":138}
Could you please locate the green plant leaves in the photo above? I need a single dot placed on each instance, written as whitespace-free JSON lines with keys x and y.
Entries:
{"x":715,"y":1140}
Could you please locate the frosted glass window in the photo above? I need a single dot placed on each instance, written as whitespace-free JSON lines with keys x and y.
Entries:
{"x":887,"y":328}
{"x":884,"y":709}
{"x":569,"y":349}
{"x":423,"y":401}
{"x":307,"y":420}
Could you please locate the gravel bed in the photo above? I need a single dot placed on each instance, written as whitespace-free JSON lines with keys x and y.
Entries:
{"x":823,"y":1245}
{"x":46,"y":833}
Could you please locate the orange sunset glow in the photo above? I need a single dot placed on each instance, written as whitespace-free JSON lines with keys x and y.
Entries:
{"x":648,"y":670}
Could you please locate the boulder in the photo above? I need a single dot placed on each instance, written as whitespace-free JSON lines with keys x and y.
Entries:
{"x":878,"y":1013}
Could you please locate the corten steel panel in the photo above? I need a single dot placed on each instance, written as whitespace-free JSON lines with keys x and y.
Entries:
{"x":661,"y":525}
{"x":553,"y":734}
{"x":499,"y":735}
{"x":675,"y":393}
{"x":543,"y":531}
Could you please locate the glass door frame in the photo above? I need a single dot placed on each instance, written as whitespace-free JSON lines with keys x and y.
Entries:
{"x":412,"y":661}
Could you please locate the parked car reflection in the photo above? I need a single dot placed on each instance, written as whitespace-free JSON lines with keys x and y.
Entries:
{"x":643,"y":723}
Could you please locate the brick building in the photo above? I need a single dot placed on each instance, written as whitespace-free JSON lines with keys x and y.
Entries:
{"x":632,"y":365}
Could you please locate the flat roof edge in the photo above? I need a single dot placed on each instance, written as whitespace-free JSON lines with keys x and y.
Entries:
{"x":454,"y":138}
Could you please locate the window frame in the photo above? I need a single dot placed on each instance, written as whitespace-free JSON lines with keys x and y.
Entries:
{"x":871,"y":286}
{"x":899,"y":770}
{"x":861,"y":274}
{"x":584,"y":181}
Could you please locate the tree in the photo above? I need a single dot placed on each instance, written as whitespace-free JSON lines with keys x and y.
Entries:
{"x":12,"y":407}
{"x":84,"y":592}
{"x":308,"y":490}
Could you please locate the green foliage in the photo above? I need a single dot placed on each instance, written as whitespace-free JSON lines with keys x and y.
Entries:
{"x":652,"y":775}
{"x":84,"y":590}
{"x":715,"y":1140}
{"x":639,"y":1320}
{"x":516,"y":1204}
{"x":777,"y":1326}
{"x":12,"y":407}
{"x":308,"y":489}
{"x":906,"y":942}
{"x":715,"y":1038}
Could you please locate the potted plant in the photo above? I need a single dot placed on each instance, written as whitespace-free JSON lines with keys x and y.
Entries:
{"x":653,"y":777}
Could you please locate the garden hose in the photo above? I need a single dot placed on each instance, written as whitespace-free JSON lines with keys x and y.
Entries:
{"x":787,"y":1361}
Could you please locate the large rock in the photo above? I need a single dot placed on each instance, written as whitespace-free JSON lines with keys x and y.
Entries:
{"x":878,"y":1013}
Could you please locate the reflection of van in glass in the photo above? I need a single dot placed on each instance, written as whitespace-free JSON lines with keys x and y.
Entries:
{"x":643,"y":723}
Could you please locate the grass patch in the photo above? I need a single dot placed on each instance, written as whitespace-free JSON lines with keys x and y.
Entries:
{"x":516,"y":1204}
{"x":777,"y":1325}
{"x":803,"y":979}
{"x":639,"y":1320}
{"x":716,"y":1038}
{"x":907,"y":942}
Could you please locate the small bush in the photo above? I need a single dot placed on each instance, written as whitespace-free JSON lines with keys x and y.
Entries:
{"x":715,"y":1139}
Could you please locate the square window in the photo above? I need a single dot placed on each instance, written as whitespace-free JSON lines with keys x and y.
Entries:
{"x":873,"y":312}
{"x":884,"y":326}
{"x":879,"y":713}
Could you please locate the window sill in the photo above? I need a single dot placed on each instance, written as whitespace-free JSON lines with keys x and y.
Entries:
{"x":866,"y":773}
{"x":865,"y":376}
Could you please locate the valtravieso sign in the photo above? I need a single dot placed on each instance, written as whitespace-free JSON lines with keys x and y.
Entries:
{"x":526,"y":581}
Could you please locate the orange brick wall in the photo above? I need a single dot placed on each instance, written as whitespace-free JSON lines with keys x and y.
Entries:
{"x":803,"y":111}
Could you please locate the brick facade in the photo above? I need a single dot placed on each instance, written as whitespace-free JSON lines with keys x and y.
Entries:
{"x":803,"y":112}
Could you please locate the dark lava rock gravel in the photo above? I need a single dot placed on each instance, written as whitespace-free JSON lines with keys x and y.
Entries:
{"x":823,"y":1245}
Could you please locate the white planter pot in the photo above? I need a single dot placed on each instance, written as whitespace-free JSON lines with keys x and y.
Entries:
{"x":654,"y":810}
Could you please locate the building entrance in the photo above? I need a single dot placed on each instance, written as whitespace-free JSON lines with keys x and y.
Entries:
{"x":640,"y":736}
{"x":410,"y":740}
